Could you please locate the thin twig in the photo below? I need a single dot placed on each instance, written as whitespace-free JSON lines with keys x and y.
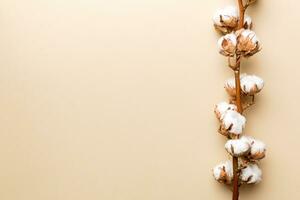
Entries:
{"x":251,"y":103}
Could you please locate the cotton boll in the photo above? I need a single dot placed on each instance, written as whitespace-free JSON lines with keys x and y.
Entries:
{"x":233,"y":122}
{"x":248,"y":139}
{"x":251,"y":174}
{"x":223,"y":172}
{"x":226,"y":15}
{"x":226,"y":19}
{"x":230,"y":85}
{"x":237,"y":147}
{"x":248,"y":43}
{"x":227,"y":45}
{"x":258,"y":148}
{"x":222,"y":108}
{"x":248,"y":22}
{"x":251,"y":84}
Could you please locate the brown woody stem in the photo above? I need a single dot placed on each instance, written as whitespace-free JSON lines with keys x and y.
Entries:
{"x":238,"y":102}
{"x":242,"y":14}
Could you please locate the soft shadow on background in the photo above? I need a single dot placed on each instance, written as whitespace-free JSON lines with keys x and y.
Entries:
{"x":114,"y":100}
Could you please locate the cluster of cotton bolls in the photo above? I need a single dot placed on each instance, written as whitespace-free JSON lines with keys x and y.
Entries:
{"x":248,"y":149}
{"x":246,"y":146}
{"x":242,"y":42}
{"x":237,"y":43}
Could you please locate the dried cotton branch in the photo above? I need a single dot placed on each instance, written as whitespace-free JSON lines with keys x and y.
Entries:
{"x":238,"y":42}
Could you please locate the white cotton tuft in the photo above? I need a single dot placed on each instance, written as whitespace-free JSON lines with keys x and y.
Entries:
{"x":248,"y":43}
{"x":234,"y":122}
{"x":237,"y":147}
{"x":227,"y":44}
{"x":247,"y":22}
{"x":231,"y":81}
{"x":223,"y":172}
{"x":251,"y":35}
{"x":258,"y":148}
{"x":251,"y":84}
{"x":230,"y":85}
{"x":226,"y":19}
{"x":222,"y":108}
{"x":251,"y":174}
{"x":225,"y":14}
{"x":231,"y":37}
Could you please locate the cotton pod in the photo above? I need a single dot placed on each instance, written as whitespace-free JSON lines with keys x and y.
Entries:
{"x":251,"y":84}
{"x":226,"y":19}
{"x":233,"y":122}
{"x":237,"y":147}
{"x":227,"y":45}
{"x":222,"y":108}
{"x":230,"y":85}
{"x":257,"y":148}
{"x":223,"y":172}
{"x":247,"y":43}
{"x":251,"y":174}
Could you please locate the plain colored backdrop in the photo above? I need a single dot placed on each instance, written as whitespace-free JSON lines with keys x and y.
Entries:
{"x":113,"y":100}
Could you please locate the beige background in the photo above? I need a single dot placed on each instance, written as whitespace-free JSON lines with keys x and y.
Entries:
{"x":113,"y":100}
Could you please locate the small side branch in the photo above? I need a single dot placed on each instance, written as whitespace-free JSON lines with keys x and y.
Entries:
{"x":251,"y":103}
{"x":248,"y":3}
{"x":242,"y":13}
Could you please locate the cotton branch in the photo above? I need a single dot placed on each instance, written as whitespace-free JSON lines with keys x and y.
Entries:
{"x":238,"y":42}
